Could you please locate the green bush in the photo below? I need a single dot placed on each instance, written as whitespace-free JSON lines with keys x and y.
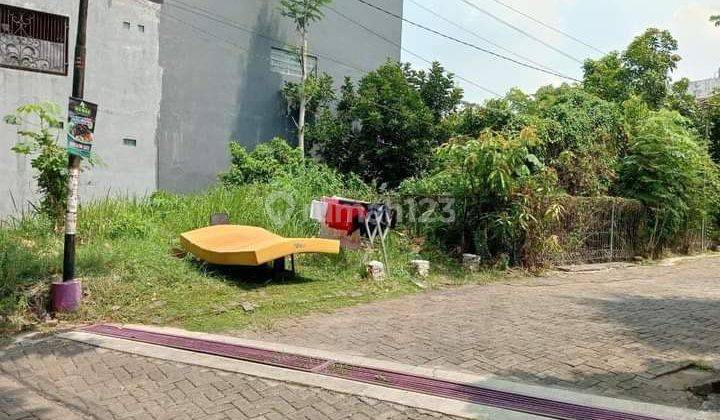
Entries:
{"x":498,"y":186}
{"x":40,"y":127}
{"x":672,"y":174}
{"x":281,"y":180}
{"x":580,"y":135}
{"x":267,"y":161}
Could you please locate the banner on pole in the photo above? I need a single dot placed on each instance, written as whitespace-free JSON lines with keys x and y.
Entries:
{"x":81,"y":126}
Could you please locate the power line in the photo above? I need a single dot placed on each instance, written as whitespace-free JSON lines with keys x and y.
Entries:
{"x":196,"y":28}
{"x":206,"y":13}
{"x":482,"y":38}
{"x":468,"y":44}
{"x":548,"y":26}
{"x":247,"y":52}
{"x":222,"y":20}
{"x":210,"y":34}
{"x":392,"y":42}
{"x":522,"y":31}
{"x":217,"y":18}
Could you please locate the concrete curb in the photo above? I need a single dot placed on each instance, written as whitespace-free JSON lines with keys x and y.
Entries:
{"x":411,"y":399}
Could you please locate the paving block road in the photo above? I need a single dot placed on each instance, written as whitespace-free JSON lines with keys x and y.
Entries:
{"x":617,"y":333}
{"x":62,"y":379}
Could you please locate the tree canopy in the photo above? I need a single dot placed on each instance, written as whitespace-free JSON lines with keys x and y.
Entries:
{"x":643,"y":69}
{"x":385,"y":129}
{"x":303,"y":12}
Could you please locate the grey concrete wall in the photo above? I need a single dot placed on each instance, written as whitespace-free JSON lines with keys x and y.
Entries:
{"x":217,"y":83}
{"x":123,"y":77}
{"x":183,"y":88}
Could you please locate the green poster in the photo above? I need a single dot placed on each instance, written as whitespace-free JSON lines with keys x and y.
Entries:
{"x":81,"y":126}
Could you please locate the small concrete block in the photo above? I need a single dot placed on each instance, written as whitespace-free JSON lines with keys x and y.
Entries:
{"x":375,"y":270}
{"x":248,"y":306}
{"x":471,"y":262}
{"x":421,"y":268}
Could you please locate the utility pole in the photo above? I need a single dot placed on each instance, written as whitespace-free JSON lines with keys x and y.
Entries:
{"x":67,"y":295}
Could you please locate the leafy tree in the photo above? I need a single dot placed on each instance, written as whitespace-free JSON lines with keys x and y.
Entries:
{"x":607,"y":78}
{"x":336,"y":131}
{"x":383,"y":129}
{"x":669,"y":171}
{"x":650,"y":59}
{"x":498,"y":114}
{"x":679,"y":99}
{"x":643,"y":69}
{"x":40,"y":127}
{"x":716,"y":20}
{"x":581,"y":137}
{"x":304,"y":13}
{"x":437,"y":89}
{"x":710,"y":125}
{"x":394,"y":140}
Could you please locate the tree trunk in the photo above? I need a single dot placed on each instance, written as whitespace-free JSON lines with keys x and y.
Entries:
{"x":303,"y":95}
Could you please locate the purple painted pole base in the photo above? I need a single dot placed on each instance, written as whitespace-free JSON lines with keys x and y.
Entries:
{"x":66,"y":296}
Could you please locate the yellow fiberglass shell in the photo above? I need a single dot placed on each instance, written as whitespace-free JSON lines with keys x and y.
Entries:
{"x":249,"y":245}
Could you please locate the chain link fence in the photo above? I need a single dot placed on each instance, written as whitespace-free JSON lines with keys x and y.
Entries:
{"x":586,"y":230}
{"x":605,"y":229}
{"x":591,"y":230}
{"x":698,"y":239}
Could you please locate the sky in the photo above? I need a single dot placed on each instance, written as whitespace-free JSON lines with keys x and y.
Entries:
{"x":604,"y":24}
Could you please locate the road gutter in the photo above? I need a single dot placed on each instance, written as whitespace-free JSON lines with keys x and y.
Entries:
{"x":411,"y":399}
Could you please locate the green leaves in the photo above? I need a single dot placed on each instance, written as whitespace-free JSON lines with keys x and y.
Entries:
{"x":39,"y":128}
{"x":303,"y":12}
{"x":437,"y":89}
{"x":267,"y":161}
{"x":11,"y":119}
{"x":317,"y":91}
{"x":501,"y":189}
{"x":382,"y":130}
{"x":24,"y":148}
{"x":672,"y":174}
{"x":643,"y":69}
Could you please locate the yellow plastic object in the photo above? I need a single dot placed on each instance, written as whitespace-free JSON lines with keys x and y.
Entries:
{"x":249,"y":245}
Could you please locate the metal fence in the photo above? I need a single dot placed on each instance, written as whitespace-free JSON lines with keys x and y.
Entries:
{"x":587,"y":230}
{"x":698,"y":239}
{"x":604,"y":229}
{"x":592,"y":230}
{"x":32,"y":40}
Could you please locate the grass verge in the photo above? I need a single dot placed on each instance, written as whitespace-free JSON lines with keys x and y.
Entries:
{"x":131,"y":275}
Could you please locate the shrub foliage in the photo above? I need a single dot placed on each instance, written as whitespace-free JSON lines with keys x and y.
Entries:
{"x":39,"y":126}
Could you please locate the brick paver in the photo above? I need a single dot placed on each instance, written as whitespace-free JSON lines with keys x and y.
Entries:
{"x":20,"y":402}
{"x":616,"y":333}
{"x":88,"y":382}
{"x":613,"y":333}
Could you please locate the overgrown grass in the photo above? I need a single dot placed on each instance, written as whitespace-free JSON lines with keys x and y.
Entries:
{"x":131,"y":274}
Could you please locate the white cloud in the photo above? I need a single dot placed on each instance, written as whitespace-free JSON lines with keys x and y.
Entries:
{"x":699,"y":40}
